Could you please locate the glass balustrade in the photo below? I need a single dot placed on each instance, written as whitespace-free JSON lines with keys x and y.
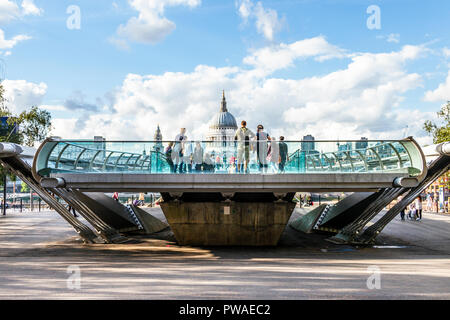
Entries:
{"x":205,"y":157}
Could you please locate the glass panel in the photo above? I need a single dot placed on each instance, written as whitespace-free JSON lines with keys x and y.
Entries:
{"x":203,"y":157}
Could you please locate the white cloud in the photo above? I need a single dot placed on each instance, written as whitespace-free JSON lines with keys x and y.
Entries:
{"x":150,"y":26}
{"x":393,"y":37}
{"x":283,"y":55}
{"x":9,"y":44}
{"x":266,"y":20}
{"x":441,"y":93}
{"x":245,"y":9}
{"x":446,"y":52}
{"x":21,"y":95}
{"x":53,"y":107}
{"x":361,"y":99}
{"x":29,"y":8}
{"x":9,"y":10}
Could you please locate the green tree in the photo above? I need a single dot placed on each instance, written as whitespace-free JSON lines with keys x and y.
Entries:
{"x":440,"y":133}
{"x":24,"y":187}
{"x":26,"y":128}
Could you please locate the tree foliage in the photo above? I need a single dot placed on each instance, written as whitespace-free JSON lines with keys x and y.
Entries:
{"x":440,"y":133}
{"x":24,"y":187}
{"x":27,"y":128}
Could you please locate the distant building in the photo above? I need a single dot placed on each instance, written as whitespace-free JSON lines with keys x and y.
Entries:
{"x":308,"y":143}
{"x":363,"y":144}
{"x":384,"y":150}
{"x":344,"y":147}
{"x":158,"y":140}
{"x":222,"y":127}
{"x":99,"y":144}
{"x":158,"y":134}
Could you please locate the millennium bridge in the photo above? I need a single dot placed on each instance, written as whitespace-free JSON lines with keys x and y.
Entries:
{"x":213,"y":201}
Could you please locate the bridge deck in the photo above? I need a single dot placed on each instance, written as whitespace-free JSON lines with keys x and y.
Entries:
{"x":223,"y":183}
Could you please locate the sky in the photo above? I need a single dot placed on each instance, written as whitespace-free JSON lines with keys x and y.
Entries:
{"x":336,"y":69}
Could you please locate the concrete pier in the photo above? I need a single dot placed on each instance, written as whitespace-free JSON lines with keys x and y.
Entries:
{"x":227,"y":223}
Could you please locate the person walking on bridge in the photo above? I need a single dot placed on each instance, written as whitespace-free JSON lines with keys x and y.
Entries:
{"x":262,"y":138}
{"x":178,"y":151}
{"x":197,"y":157}
{"x":284,"y":156}
{"x":243,"y":136}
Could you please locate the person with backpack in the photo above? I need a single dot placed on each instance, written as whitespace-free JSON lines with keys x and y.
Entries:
{"x":284,"y":156}
{"x":168,"y":154}
{"x":243,"y":136}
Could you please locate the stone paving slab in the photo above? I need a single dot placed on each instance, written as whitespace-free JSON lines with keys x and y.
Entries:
{"x":36,"y":250}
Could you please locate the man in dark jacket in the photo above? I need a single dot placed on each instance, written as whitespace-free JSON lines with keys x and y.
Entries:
{"x":283,"y":154}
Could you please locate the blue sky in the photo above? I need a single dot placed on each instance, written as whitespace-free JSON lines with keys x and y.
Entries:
{"x":81,"y":75}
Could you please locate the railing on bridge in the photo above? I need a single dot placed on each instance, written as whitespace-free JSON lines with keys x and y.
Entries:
{"x":294,"y":157}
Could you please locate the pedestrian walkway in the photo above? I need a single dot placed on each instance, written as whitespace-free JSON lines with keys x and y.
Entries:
{"x":36,"y":250}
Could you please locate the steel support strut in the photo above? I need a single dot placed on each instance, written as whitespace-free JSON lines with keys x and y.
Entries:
{"x":83,"y":230}
{"x":436,"y":168}
{"x":108,"y":233}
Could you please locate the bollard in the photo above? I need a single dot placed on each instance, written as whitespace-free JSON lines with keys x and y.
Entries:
{"x":21,"y":205}
{"x":39,"y":204}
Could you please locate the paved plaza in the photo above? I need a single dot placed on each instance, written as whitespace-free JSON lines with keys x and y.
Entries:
{"x":40,"y":251}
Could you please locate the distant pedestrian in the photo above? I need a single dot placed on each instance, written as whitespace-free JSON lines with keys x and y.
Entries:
{"x":141,"y":199}
{"x":411,"y":212}
{"x":418,"y":206}
{"x":187,"y":156}
{"x":283,"y":149}
{"x":197,"y":157}
{"x":208,"y":163}
{"x":262,"y":138}
{"x":116,"y":196}
{"x":274,"y":155}
{"x":402,"y":214}
{"x":73,"y":211}
{"x":178,"y":151}
{"x":429,"y":203}
{"x":232,"y":167}
{"x":243,"y":136}
{"x":168,"y":153}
